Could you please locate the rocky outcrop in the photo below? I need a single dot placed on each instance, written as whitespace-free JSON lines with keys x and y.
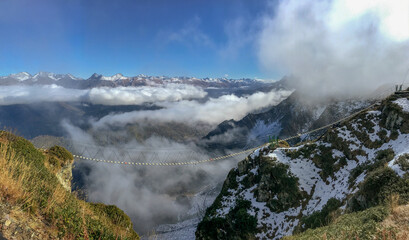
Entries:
{"x":64,"y":176}
{"x":61,"y":162}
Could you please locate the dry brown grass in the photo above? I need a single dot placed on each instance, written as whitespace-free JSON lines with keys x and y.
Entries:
{"x":86,"y":236}
{"x":393,"y":202}
{"x":58,"y":198}
{"x":396,"y":225}
{"x":13,"y":174}
{"x":28,"y":183}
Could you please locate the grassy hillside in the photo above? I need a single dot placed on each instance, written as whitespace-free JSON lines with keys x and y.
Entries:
{"x":35,"y":205}
{"x":363,"y":225}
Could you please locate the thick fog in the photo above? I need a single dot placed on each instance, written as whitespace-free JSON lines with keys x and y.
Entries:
{"x":150,"y":195}
{"x":154,"y":195}
{"x":337,"y":48}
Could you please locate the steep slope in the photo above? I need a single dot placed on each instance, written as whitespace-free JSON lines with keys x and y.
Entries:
{"x":293,"y":115}
{"x":275,"y":192}
{"x":36,"y":200}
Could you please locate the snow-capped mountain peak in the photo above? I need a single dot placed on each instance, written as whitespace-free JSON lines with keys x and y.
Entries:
{"x":115,"y":77}
{"x":44,"y":75}
{"x":52,"y":76}
{"x":72,"y":77}
{"x":22,"y":76}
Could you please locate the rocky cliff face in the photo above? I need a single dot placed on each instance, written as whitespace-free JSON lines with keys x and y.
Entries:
{"x":64,"y":176}
{"x":276,"y":192}
{"x":60,"y":161}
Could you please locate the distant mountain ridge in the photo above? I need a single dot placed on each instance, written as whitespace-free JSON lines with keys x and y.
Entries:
{"x":290,"y":117}
{"x":98,"y":80}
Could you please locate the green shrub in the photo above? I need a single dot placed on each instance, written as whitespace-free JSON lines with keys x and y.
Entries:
{"x":237,"y":224}
{"x":229,"y":183}
{"x":381,"y":159}
{"x":394,"y":135}
{"x":325,"y":161}
{"x":386,"y":155}
{"x":376,"y":187}
{"x":359,"y":225}
{"x":304,"y":151}
{"x":61,"y":153}
{"x":117,"y":216}
{"x":403,"y":162}
{"x":320,"y":218}
{"x":277,"y":185}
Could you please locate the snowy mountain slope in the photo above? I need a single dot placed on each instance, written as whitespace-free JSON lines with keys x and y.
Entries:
{"x":355,"y":166}
{"x":43,"y":78}
{"x":115,"y":77}
{"x":21,"y":76}
{"x":291,"y":116}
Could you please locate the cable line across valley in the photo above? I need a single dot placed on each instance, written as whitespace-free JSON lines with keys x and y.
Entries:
{"x":131,"y":163}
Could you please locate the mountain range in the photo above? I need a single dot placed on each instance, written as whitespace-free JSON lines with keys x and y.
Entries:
{"x":98,"y":80}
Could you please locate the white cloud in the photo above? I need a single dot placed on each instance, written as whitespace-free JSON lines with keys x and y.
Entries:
{"x":214,"y":111}
{"x":190,"y":35}
{"x":106,"y":96}
{"x":394,"y":15}
{"x":31,"y":94}
{"x":240,"y":33}
{"x":337,"y":47}
{"x":147,"y":194}
{"x":138,"y":95}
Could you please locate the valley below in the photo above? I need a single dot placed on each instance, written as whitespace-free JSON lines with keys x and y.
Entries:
{"x":168,"y":176}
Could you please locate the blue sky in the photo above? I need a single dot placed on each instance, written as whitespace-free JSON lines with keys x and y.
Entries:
{"x":154,"y":37}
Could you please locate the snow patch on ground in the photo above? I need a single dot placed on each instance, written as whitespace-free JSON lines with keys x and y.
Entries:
{"x":318,"y":112}
{"x":395,"y":167}
{"x":304,"y":169}
{"x":262,"y":131}
{"x":403,"y":103}
{"x":228,"y":202}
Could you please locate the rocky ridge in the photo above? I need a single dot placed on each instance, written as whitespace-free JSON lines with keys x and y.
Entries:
{"x":280,"y":191}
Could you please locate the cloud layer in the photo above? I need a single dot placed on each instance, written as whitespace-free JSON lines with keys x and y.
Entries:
{"x":138,"y":95}
{"x":104,"y":95}
{"x":339,"y":47}
{"x":149,"y":195}
{"x":214,"y":111}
